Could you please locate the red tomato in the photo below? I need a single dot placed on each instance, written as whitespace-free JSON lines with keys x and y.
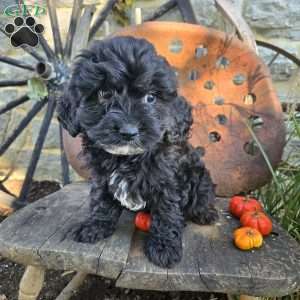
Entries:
{"x":143,"y":221}
{"x":240,"y":204}
{"x":257,"y":220}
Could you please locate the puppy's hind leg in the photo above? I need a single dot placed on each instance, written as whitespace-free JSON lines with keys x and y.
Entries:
{"x":200,"y":208}
{"x":103,"y":217}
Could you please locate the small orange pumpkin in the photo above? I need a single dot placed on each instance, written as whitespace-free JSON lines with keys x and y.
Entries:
{"x":246,"y":238}
{"x":257,"y":220}
{"x":142,"y":221}
{"x":240,"y":204}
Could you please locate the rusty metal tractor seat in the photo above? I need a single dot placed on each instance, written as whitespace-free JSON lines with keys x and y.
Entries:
{"x":233,"y":102}
{"x":236,"y":116}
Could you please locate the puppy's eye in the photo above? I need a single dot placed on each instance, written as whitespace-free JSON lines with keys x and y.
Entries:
{"x":149,"y":98}
{"x":106,"y":94}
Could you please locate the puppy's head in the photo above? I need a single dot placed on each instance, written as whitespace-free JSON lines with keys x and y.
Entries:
{"x":123,"y":96}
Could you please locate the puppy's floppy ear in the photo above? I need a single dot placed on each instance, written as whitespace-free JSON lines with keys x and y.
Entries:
{"x":66,"y":110}
{"x":182,"y":120}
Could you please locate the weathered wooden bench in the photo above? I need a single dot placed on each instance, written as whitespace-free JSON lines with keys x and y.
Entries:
{"x":37,"y":236}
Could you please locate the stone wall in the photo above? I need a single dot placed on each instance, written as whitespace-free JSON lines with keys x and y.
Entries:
{"x":277,"y":21}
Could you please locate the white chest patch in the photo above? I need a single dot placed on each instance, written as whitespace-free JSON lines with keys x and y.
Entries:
{"x":119,"y":187}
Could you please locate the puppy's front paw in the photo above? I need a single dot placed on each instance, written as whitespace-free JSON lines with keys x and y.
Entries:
{"x":163,"y":253}
{"x":206,"y":217}
{"x":90,"y":232}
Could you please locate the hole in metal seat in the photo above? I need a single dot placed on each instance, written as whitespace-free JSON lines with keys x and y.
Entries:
{"x":239,"y":79}
{"x":218,"y":101}
{"x":222,"y":63}
{"x":250,"y":99}
{"x":256,"y":122}
{"x":201,"y":51}
{"x":251,"y":148}
{"x":209,"y":85}
{"x":176,"y":46}
{"x":214,"y":136}
{"x":194,"y":75}
{"x":221,"y":119}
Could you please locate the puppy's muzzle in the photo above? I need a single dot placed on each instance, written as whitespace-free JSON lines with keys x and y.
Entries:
{"x":129,"y":132}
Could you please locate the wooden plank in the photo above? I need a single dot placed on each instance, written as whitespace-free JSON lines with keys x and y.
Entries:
{"x":212,"y":263}
{"x":235,"y":17}
{"x":106,"y":258}
{"x":139,"y":273}
{"x":39,"y":234}
{"x":60,"y":252}
{"x":184,"y":276}
{"x":81,"y":37}
{"x":160,"y":11}
{"x":115,"y":253}
{"x":24,"y":232}
{"x":101,"y":17}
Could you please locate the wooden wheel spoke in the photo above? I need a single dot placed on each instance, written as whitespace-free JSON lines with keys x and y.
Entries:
{"x":33,"y":53}
{"x":101,"y":17}
{"x":48,"y":51}
{"x":22,"y":125}
{"x":37,"y":149}
{"x":63,"y":159}
{"x":14,"y":104}
{"x":285,"y":53}
{"x":16,"y":63}
{"x":76,"y":12}
{"x":160,"y":11}
{"x":273,"y":59}
{"x":186,"y":11}
{"x":55,"y":28}
{"x":6,"y":83}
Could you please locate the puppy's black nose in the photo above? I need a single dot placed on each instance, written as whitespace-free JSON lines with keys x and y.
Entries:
{"x":129,"y":131}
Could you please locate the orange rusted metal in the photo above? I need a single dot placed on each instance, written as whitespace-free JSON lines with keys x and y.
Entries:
{"x":229,"y":86}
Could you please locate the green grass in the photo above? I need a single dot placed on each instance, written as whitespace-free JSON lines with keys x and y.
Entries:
{"x":281,"y":197}
{"x":295,"y":296}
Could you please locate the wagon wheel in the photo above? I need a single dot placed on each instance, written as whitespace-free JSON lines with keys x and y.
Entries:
{"x":53,"y":67}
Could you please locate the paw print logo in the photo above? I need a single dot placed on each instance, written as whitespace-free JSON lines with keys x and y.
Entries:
{"x":24,"y":32}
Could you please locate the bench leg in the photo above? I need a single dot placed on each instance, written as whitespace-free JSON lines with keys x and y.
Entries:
{"x":245,"y":297}
{"x":72,"y":286}
{"x":31,"y":283}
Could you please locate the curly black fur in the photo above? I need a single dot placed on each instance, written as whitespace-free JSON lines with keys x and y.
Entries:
{"x":122,"y":99}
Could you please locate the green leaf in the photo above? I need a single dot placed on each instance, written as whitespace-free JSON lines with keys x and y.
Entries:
{"x":37,"y":89}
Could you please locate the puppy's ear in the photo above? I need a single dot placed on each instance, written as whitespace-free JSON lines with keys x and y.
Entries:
{"x":66,"y":110}
{"x":182,"y":120}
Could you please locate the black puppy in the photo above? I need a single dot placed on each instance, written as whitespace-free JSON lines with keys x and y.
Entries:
{"x":122,"y":99}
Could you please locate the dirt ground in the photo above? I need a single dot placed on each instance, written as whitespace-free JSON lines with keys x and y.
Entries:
{"x":94,"y":287}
